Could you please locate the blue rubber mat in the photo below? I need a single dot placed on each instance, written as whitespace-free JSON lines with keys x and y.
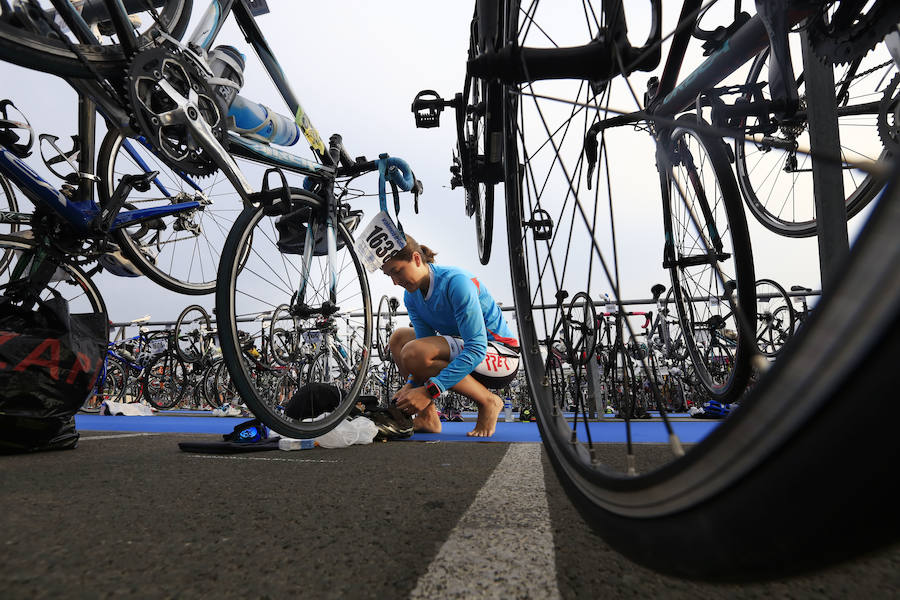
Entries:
{"x":641,"y":432}
{"x":614,"y":431}
{"x":158,"y":424}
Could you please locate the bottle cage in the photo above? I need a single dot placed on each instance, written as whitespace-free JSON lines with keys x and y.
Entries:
{"x":10,"y":138}
{"x":60,"y":156}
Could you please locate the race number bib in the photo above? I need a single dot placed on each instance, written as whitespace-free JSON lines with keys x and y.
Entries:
{"x":379,"y":242}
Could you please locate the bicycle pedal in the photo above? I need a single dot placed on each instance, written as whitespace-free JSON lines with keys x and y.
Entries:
{"x":427,"y":107}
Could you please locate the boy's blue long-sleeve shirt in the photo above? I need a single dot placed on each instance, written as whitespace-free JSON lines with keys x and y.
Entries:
{"x":457,"y":304}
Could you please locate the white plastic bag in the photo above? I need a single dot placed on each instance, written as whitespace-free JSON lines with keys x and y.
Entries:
{"x":130,"y":409}
{"x":350,"y":431}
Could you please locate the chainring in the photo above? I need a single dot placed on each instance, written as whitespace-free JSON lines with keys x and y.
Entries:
{"x":864,"y":33}
{"x":172,"y":140}
{"x":889,"y":117}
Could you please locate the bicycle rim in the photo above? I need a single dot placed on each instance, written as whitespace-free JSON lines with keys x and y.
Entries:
{"x":774,"y":317}
{"x":179,"y":252}
{"x":780,"y":193}
{"x":70,"y":281}
{"x":7,"y":203}
{"x":704,"y":202}
{"x":271,"y":278}
{"x":192,"y":326}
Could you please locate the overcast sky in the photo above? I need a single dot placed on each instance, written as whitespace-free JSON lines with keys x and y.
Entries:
{"x":356,"y":66}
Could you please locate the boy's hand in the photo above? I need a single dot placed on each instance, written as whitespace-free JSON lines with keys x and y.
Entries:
{"x":412,"y":400}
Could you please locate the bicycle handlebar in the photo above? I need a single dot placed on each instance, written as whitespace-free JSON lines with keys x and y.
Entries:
{"x":400,"y":174}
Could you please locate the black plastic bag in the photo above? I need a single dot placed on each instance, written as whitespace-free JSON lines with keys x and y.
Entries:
{"x":313,"y":399}
{"x":49,"y":363}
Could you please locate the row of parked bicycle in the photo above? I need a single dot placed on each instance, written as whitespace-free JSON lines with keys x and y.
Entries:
{"x":181,"y":366}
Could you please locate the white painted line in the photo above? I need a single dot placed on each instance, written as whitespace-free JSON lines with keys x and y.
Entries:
{"x":502,"y":546}
{"x":113,"y":437}
{"x":229,"y":457}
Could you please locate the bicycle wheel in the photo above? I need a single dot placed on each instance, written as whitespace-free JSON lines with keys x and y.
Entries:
{"x":69,"y":281}
{"x":225,"y":392}
{"x":774,"y":317}
{"x":326,"y":368}
{"x":191,"y":329}
{"x":777,"y":182}
{"x":7,"y":203}
{"x":799,"y":425}
{"x":481,"y":145}
{"x":712,"y":263}
{"x":26,"y":39}
{"x":271,"y":278}
{"x":580,"y":329}
{"x":179,"y":252}
{"x":677,"y":349}
{"x":382,"y":331}
{"x":165,"y":381}
{"x":282,"y":336}
{"x":111,"y":384}
{"x":781,"y":448}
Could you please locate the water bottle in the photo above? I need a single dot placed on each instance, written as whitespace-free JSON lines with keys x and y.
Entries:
{"x":227,"y":64}
{"x":256,"y":121}
{"x":507,"y":410}
{"x":292,"y":444}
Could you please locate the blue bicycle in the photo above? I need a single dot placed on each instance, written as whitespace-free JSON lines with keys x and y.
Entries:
{"x":68,"y":230}
{"x":290,"y":244}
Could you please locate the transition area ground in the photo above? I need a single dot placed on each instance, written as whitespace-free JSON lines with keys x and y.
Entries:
{"x":127,"y":514}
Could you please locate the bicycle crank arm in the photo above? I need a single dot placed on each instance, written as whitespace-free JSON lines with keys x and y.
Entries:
{"x":187,"y":112}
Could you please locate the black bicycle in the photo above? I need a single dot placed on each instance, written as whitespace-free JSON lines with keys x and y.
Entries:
{"x":752,"y":498}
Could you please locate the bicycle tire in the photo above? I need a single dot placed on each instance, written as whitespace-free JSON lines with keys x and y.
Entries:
{"x":51,"y":55}
{"x":686,"y":276}
{"x":481,"y":136}
{"x":677,"y":347}
{"x":7,"y":203}
{"x":110,"y":387}
{"x":775,"y":322}
{"x":284,"y":343}
{"x":752,"y":497}
{"x":75,"y":287}
{"x":580,"y":333}
{"x":382,"y":339}
{"x":179,"y":252}
{"x":792,"y":213}
{"x":266,"y":266}
{"x":225,"y":391}
{"x":194,"y":338}
{"x":165,"y":381}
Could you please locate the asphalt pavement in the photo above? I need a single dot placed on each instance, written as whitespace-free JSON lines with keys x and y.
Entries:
{"x":128,"y":515}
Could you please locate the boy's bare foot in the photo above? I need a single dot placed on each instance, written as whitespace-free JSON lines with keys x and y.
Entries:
{"x":427,"y":421}
{"x":487,"y":417}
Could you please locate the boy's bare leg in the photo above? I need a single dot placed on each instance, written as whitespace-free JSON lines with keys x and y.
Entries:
{"x":489,"y":405}
{"x":428,"y":421}
{"x":426,"y":357}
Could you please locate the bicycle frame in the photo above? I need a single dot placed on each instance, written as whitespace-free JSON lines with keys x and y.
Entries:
{"x":81,"y":212}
